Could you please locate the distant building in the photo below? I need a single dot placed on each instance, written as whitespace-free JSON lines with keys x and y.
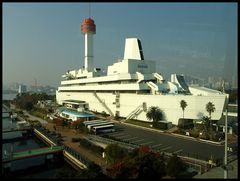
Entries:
{"x":22,"y":88}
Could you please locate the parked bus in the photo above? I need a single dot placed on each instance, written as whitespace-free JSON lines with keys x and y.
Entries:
{"x":99,"y":124}
{"x":94,"y":122}
{"x":103,"y":129}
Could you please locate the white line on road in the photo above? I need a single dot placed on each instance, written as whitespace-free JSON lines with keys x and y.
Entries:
{"x":122,"y":136}
{"x":156,"y":145}
{"x":137,"y":141}
{"x":116,"y":134}
{"x":177,"y":151}
{"x":146,"y":143}
{"x":166,"y":148}
{"x":131,"y":138}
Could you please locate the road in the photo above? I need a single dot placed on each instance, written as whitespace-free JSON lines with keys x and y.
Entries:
{"x":31,"y":117}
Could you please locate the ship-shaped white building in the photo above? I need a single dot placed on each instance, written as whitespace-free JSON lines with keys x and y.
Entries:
{"x":132,"y":85}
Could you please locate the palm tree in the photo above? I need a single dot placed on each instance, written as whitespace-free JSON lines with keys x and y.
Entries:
{"x":154,"y":113}
{"x":210,"y":107}
{"x":183,"y":105}
{"x":206,"y":122}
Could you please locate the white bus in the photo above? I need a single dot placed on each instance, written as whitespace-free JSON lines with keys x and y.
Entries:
{"x":98,"y":124}
{"x":94,"y":122}
{"x":103,"y":129}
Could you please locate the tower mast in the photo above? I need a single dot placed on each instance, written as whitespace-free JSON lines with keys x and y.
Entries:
{"x":88,"y":28}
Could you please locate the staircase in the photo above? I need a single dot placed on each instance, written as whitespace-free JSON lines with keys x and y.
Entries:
{"x":136,"y":111}
{"x":103,"y":103}
{"x":153,"y":87}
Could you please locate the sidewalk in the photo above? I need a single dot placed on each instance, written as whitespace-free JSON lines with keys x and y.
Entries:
{"x":67,"y":135}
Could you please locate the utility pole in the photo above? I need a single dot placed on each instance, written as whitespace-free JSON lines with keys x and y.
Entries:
{"x":225,"y":148}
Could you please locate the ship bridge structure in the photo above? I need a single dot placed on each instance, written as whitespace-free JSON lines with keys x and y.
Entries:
{"x":132,"y":85}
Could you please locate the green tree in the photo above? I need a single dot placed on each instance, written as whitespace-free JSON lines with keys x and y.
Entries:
{"x":183,"y":105}
{"x":92,"y":172}
{"x":141,"y":163}
{"x":175,"y":166}
{"x":28,"y":105}
{"x":114,"y":153}
{"x":206,"y":122}
{"x":154,"y":113}
{"x":210,"y":107}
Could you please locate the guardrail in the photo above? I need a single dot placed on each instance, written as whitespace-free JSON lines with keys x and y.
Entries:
{"x":110,"y":141}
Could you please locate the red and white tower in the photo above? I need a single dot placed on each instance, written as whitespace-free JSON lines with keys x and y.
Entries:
{"x":88,"y":28}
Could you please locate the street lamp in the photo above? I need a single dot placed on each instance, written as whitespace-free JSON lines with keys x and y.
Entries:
{"x":225,"y":148}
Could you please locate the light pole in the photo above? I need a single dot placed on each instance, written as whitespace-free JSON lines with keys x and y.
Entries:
{"x":225,"y":148}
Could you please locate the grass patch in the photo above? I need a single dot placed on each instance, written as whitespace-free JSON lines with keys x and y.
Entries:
{"x":38,"y":114}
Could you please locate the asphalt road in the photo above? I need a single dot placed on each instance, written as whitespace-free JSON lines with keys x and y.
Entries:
{"x":168,"y":143}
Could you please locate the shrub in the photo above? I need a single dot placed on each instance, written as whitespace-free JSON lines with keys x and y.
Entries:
{"x":175,"y":166}
{"x":204,"y":136}
{"x":217,"y":136}
{"x":114,"y":152}
{"x":89,"y":145}
{"x":193,"y":133}
{"x":76,"y":139}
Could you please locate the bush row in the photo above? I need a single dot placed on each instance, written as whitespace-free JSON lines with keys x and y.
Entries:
{"x":89,"y":145}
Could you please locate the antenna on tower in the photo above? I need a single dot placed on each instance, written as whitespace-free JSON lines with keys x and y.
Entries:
{"x":89,"y":9}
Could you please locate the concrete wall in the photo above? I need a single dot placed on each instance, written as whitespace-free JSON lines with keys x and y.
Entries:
{"x":169,"y":104}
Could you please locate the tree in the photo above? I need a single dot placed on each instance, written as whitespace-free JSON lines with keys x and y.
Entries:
{"x":114,"y":152}
{"x":155,"y":114}
{"x":206,"y":122}
{"x":183,"y":105}
{"x":175,"y":166}
{"x":210,"y":107}
{"x":92,"y":172}
{"x":139,"y":164}
{"x":28,"y":106}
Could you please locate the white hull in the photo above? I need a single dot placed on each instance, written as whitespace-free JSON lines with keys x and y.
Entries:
{"x":169,"y":104}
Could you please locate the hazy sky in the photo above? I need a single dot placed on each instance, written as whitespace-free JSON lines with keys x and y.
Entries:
{"x":43,"y":40}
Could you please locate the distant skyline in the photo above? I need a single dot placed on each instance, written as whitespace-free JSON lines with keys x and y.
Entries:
{"x":43,"y":40}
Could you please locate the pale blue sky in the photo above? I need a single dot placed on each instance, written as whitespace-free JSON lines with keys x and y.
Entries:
{"x":43,"y":40}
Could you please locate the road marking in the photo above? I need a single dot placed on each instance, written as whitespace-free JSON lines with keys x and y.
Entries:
{"x":123,"y":136}
{"x":166,"y":148}
{"x":156,"y":145}
{"x":130,"y":138}
{"x":177,"y":151}
{"x":114,"y":134}
{"x":137,"y":141}
{"x":146,"y":143}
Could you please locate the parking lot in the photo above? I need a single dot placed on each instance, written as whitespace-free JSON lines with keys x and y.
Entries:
{"x":167,"y":143}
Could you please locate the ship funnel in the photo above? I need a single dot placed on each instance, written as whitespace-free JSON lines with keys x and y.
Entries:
{"x":133,"y":49}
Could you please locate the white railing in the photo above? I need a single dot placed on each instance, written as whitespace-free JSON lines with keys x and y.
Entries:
{"x":103,"y":103}
{"x":135,"y":112}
